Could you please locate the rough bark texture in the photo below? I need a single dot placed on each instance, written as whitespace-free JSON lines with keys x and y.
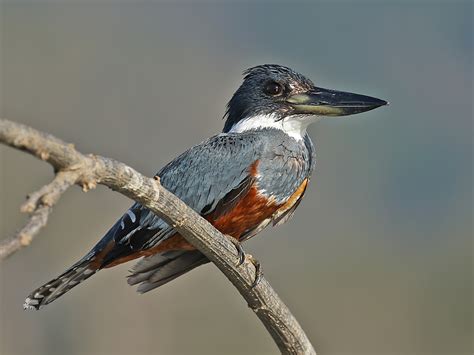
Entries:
{"x":72,"y":167}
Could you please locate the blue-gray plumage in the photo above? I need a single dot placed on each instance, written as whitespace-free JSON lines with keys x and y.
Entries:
{"x":254,"y":173}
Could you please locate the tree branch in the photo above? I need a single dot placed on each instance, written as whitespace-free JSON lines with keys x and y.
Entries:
{"x":73,"y":167}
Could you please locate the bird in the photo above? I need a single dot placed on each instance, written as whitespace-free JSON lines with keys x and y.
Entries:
{"x":251,"y":175}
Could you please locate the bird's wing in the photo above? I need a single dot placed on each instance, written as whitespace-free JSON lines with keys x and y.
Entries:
{"x":209,"y":178}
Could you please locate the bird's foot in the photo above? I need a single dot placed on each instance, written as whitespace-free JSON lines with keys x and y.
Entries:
{"x":242,"y":256}
{"x":258,"y":270}
{"x":240,"y":250}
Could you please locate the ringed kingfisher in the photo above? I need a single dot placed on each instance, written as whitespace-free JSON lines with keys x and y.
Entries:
{"x":253,"y":174}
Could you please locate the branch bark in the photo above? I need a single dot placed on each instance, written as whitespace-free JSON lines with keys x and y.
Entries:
{"x":72,"y":167}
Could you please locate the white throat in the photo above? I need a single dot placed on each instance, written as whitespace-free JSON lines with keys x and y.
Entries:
{"x":294,"y":126}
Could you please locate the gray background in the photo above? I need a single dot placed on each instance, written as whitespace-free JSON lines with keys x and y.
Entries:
{"x":378,"y":259}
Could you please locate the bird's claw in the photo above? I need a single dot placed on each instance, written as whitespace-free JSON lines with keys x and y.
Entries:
{"x":243,"y":256}
{"x":258,"y":270}
{"x":240,"y":250}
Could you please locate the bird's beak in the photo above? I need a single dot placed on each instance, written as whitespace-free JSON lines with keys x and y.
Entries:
{"x":325,"y":102}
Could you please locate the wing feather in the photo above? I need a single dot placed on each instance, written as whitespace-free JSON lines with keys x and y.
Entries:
{"x":208,"y":177}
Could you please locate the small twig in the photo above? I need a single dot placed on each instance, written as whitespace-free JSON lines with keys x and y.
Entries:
{"x":49,"y":194}
{"x":72,"y":167}
{"x":39,"y":205}
{"x":25,"y":235}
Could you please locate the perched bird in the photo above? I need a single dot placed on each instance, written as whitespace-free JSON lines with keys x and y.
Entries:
{"x":252,"y":174}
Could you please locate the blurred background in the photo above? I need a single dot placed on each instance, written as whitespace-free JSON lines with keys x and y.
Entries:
{"x":378,"y":258}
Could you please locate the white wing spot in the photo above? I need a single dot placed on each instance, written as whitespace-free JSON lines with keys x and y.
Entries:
{"x":122,"y":225}
{"x":132,"y":216}
{"x":38,"y":295}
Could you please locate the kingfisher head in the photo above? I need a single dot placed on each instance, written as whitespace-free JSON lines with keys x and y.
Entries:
{"x":275,"y":96}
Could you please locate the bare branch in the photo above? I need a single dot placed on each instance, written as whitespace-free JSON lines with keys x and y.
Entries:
{"x":25,"y":235}
{"x":39,"y":204}
{"x":87,"y":171}
{"x":49,"y":194}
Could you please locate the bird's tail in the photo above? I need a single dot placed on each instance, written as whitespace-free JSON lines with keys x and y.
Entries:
{"x":158,"y":269}
{"x":57,"y":287}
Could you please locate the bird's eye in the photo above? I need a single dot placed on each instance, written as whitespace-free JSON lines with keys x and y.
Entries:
{"x":273,"y":89}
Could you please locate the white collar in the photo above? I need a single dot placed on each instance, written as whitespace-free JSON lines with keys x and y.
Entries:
{"x":294,"y":126}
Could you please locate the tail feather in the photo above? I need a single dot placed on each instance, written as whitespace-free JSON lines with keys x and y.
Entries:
{"x":60,"y":285}
{"x":149,"y":273}
{"x":156,"y":270}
